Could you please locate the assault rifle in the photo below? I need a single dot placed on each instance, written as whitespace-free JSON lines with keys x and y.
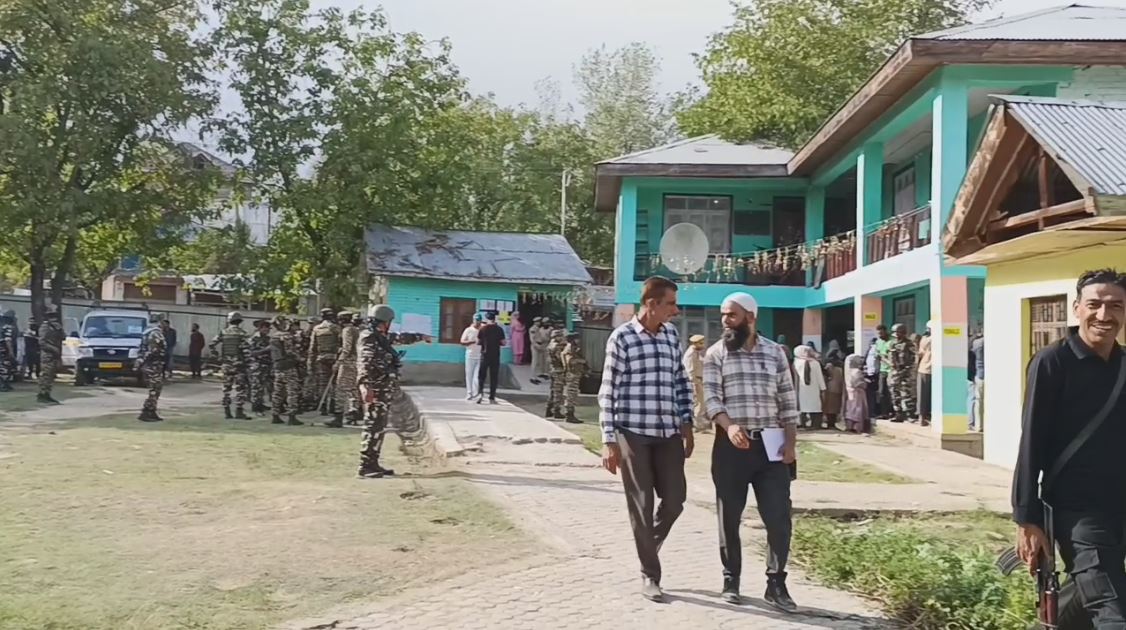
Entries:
{"x":1047,"y":577}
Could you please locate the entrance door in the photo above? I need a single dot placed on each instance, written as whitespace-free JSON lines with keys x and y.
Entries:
{"x":903,"y":310}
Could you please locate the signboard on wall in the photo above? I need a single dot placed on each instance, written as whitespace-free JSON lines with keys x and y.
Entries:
{"x":503,"y":309}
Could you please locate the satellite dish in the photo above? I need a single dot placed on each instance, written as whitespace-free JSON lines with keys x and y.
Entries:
{"x":684,"y":249}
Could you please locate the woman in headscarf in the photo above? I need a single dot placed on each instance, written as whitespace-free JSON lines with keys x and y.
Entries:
{"x":811,"y":383}
{"x":834,"y":387}
{"x":856,"y":396}
{"x":519,"y":339}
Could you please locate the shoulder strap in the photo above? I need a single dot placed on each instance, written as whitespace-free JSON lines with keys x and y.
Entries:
{"x":1079,"y":440}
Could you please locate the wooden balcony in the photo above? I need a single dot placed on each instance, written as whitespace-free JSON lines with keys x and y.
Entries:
{"x":897,"y":235}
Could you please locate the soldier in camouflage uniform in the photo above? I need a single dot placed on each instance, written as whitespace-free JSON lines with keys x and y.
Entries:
{"x":232,"y":348}
{"x":51,"y":355}
{"x":378,"y":367}
{"x":258,"y":371}
{"x":7,"y":349}
{"x":285,"y":357}
{"x":346,"y":372}
{"x":308,"y":387}
{"x":575,"y":369}
{"x":323,"y":346}
{"x":901,"y":377}
{"x":152,"y":357}
{"x":555,"y":362}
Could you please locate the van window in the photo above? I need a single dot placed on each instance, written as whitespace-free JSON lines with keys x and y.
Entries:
{"x":114,"y":326}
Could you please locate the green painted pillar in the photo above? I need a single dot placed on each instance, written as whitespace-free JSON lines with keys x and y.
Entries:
{"x":949,"y":131}
{"x":869,"y":193}
{"x":625,"y":245}
{"x":815,"y":213}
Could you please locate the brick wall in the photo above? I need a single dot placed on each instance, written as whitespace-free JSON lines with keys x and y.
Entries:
{"x":1102,"y":83}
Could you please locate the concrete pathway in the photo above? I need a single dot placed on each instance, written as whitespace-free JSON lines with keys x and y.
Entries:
{"x":586,"y":574}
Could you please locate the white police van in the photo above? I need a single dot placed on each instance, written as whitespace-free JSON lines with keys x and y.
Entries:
{"x":106,"y":346}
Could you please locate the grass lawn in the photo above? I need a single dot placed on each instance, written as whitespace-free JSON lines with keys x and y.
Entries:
{"x":22,"y":396}
{"x":979,"y":530}
{"x":202,"y":523}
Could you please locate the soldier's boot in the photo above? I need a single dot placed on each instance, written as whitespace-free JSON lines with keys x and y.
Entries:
{"x":46,"y":398}
{"x":337,"y":422}
{"x":571,"y":418}
{"x":559,"y":415}
{"x":368,"y":473}
{"x":5,"y":387}
{"x":550,"y":413}
{"x":383,"y":472}
{"x":240,"y":414}
{"x":293,"y":421}
{"x":148,"y":415}
{"x":277,"y":419}
{"x":227,"y":412}
{"x":353,"y":418}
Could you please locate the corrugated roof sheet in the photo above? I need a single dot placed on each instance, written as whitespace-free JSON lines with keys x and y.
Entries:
{"x":474,"y":256}
{"x":708,"y":150}
{"x":1088,"y":136}
{"x":1074,"y":22}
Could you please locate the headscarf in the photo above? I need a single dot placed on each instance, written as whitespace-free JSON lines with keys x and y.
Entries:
{"x":803,"y":362}
{"x":854,"y":372}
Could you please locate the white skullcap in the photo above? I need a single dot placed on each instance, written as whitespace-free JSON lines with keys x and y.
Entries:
{"x":745,"y":300}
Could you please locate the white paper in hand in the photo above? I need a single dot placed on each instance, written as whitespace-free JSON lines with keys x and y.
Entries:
{"x":772,"y":441}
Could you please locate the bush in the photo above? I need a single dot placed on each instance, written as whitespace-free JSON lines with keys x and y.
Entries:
{"x":920,"y":581}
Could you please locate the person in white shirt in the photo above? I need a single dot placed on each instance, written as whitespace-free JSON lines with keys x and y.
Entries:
{"x":472,"y":357}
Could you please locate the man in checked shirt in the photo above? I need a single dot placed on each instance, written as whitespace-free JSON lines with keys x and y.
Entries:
{"x":748,"y":388}
{"x":646,"y":419}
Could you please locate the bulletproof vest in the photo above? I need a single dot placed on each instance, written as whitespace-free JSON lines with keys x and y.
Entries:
{"x":283,"y":359}
{"x":148,"y":349}
{"x":327,"y":337}
{"x":231,"y":344}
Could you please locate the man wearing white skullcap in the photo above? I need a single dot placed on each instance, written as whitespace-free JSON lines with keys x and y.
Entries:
{"x":748,"y":387}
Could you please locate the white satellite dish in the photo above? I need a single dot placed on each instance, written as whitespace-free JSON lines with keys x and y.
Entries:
{"x":684,"y":249}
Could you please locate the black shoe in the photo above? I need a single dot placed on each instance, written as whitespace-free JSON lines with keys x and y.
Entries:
{"x":493,"y":401}
{"x":651,"y":590}
{"x":240,"y":414}
{"x":535,"y":381}
{"x":277,"y":420}
{"x":777,"y":595}
{"x":571,"y":418}
{"x":559,"y":414}
{"x":336,"y":423}
{"x":550,"y":413}
{"x":293,"y":421}
{"x":730,"y":592}
{"x":46,"y":399}
{"x":227,"y":412}
{"x":149,"y":416}
{"x":4,"y":387}
{"x":369,"y":474}
{"x":387,"y":472}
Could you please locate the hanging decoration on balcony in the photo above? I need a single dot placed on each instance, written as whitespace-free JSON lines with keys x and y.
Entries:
{"x":779,"y":261}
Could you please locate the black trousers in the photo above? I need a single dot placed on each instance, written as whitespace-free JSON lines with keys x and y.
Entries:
{"x":925,"y":396}
{"x":1093,"y":548}
{"x":883,"y":397}
{"x":652,"y":465}
{"x":733,"y":470}
{"x":489,"y":366}
{"x":196,"y":362}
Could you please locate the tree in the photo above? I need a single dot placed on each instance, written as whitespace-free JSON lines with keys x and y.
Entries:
{"x":91,"y":91}
{"x":785,"y":66}
{"x":624,"y":108}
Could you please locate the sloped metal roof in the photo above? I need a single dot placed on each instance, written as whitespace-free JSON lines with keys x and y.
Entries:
{"x":709,"y":149}
{"x":1087,"y":136}
{"x":505,"y":257}
{"x":1072,"y":22}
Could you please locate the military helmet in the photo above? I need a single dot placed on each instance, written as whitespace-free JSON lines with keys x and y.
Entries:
{"x":280,"y":320}
{"x":155,"y":318}
{"x":9,"y":314}
{"x":52,"y":313}
{"x":344,"y":316}
{"x":558,"y":333}
{"x":381,"y":313}
{"x":327,"y":312}
{"x":311,"y":320}
{"x":574,"y":336}
{"x":234,"y":317}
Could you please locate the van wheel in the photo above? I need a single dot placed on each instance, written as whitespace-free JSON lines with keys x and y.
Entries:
{"x":80,"y":377}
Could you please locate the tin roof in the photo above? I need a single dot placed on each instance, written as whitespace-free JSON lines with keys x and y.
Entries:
{"x":1072,"y":22}
{"x":1087,"y":136}
{"x":709,"y":149}
{"x":506,"y":257}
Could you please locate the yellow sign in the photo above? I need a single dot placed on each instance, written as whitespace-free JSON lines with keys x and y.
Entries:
{"x":871,"y":317}
{"x":952,"y":331}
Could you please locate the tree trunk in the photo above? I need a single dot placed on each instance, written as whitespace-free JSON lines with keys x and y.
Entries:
{"x":63,"y":269}
{"x":38,"y":269}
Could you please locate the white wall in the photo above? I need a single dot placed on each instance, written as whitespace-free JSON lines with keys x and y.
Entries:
{"x":1005,"y":362}
{"x":1102,"y":83}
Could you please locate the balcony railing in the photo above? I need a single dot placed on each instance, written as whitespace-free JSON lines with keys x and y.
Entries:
{"x":897,"y":235}
{"x":829,"y":258}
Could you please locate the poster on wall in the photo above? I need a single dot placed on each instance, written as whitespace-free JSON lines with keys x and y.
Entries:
{"x":503,"y":309}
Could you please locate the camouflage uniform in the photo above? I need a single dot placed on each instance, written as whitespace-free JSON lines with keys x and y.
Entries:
{"x":900,"y":377}
{"x":575,"y":368}
{"x":152,"y":357}
{"x":285,"y":356}
{"x":555,"y":360}
{"x":7,"y":350}
{"x":308,"y":397}
{"x":51,"y":355}
{"x":323,"y":345}
{"x":378,"y":367}
{"x":346,"y":371}
{"x":258,"y":370}
{"x":233,"y":349}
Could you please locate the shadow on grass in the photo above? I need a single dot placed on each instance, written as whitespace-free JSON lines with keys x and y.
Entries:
{"x":756,"y":607}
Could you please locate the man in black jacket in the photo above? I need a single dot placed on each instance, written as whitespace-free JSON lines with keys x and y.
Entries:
{"x":1069,"y":383}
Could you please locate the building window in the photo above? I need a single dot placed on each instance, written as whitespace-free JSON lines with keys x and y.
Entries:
{"x":699,"y":321}
{"x":903,"y":187}
{"x":1047,"y":321}
{"x":712,"y":214}
{"x":456,"y":316}
{"x":903,"y":310}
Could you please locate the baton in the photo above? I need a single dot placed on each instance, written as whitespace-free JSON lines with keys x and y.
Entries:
{"x":328,"y":388}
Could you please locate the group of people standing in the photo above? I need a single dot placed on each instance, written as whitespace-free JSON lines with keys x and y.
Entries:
{"x":43,"y":352}
{"x":647,"y":414}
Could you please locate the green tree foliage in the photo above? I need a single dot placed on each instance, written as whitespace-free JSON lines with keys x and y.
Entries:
{"x":784,"y":66}
{"x":90,"y":91}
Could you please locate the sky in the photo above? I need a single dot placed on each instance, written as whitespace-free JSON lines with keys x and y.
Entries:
{"x":505,"y":46}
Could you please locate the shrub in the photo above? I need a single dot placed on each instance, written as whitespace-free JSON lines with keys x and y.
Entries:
{"x":923,"y":582}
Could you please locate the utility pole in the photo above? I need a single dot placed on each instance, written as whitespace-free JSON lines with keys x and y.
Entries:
{"x":564,"y":182}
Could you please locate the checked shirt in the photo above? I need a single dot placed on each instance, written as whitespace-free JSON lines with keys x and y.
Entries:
{"x":753,"y":386}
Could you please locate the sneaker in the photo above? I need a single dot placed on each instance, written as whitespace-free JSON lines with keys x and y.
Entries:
{"x":651,"y":590}
{"x":777,"y":595}
{"x":493,"y":401}
{"x":730,"y":592}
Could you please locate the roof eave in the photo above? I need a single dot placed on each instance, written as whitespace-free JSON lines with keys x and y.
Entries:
{"x":430,"y":276}
{"x":608,"y":176}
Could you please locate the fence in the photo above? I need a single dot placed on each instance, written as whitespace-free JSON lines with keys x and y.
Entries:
{"x":211,"y":319}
